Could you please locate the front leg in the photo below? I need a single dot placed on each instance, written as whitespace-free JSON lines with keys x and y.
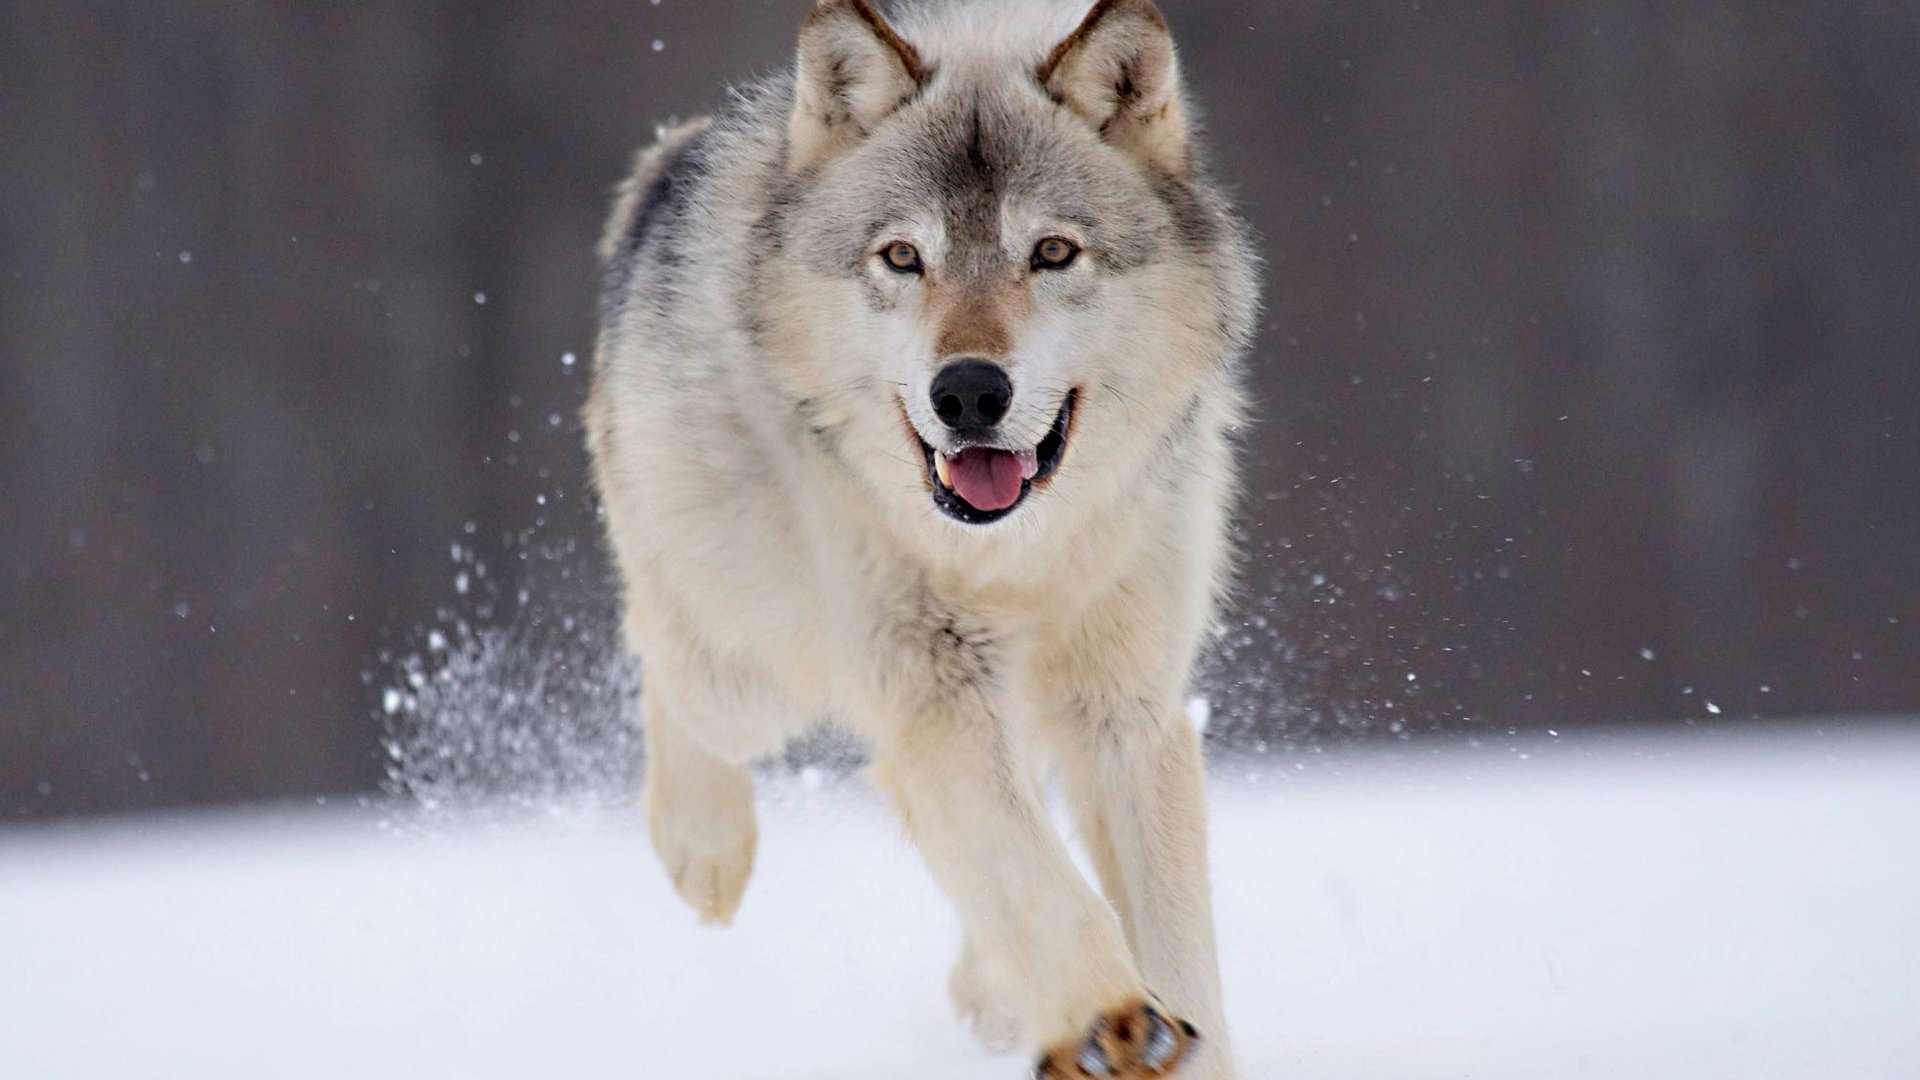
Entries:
{"x":1131,"y":763}
{"x":960,"y":777}
{"x":1137,"y":785}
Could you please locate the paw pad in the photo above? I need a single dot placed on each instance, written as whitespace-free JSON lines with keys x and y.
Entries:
{"x":1131,"y":1043}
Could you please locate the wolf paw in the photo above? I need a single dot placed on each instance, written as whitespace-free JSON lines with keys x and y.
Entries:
{"x":986,"y":1010}
{"x":708,"y":852}
{"x":1130,"y":1043}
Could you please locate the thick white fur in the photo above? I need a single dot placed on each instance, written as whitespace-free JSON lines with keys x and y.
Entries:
{"x":772,"y":581}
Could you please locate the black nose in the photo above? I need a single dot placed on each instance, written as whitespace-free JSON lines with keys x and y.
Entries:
{"x":971,"y":394}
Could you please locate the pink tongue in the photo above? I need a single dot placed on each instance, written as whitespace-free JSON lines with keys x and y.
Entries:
{"x":987,"y":479}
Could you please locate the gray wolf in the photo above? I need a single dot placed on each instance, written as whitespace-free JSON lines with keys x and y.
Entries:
{"x":912,"y":410}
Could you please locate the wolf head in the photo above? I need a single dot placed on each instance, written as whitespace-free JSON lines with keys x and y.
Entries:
{"x":994,"y":276}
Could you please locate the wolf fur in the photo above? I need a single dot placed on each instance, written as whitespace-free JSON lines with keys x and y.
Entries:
{"x":762,"y":439}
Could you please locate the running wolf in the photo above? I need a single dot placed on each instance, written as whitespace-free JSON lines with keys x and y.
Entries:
{"x":912,"y":409}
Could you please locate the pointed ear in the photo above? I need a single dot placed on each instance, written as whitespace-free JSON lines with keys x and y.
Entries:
{"x":853,"y":70}
{"x":1119,"y":72}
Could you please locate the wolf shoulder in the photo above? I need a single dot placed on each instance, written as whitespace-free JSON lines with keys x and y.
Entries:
{"x":660,"y":174}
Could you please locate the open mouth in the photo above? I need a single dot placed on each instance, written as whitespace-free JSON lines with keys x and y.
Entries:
{"x":982,"y":484}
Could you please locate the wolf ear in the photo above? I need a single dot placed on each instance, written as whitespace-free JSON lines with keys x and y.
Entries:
{"x":1119,"y":73}
{"x":853,"y":70}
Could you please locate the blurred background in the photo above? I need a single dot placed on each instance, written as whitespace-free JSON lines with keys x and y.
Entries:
{"x":1588,"y":385}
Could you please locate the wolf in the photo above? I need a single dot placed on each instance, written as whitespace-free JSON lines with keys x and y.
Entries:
{"x":912,"y":409}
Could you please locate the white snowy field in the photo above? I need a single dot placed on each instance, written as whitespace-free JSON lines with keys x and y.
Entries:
{"x":1652,"y":907}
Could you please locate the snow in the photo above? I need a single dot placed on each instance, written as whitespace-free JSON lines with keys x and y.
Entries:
{"x":1687,"y":907}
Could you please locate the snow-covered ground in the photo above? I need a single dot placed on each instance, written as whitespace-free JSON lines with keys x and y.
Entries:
{"x":1680,"y":907}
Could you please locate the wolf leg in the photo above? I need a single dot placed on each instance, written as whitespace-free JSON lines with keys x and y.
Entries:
{"x":1111,"y":686}
{"x":985,"y":835}
{"x":986,"y":990}
{"x":983,"y":994}
{"x":1137,"y":786}
{"x":699,"y":811}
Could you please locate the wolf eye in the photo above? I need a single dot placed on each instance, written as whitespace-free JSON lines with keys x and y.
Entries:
{"x":902,"y":258}
{"x":1054,"y":253}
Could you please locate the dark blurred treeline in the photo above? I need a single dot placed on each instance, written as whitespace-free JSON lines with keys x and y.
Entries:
{"x":1589,"y":382}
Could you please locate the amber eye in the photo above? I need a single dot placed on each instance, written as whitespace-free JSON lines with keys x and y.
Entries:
{"x":1054,"y":253}
{"x":902,"y":258}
